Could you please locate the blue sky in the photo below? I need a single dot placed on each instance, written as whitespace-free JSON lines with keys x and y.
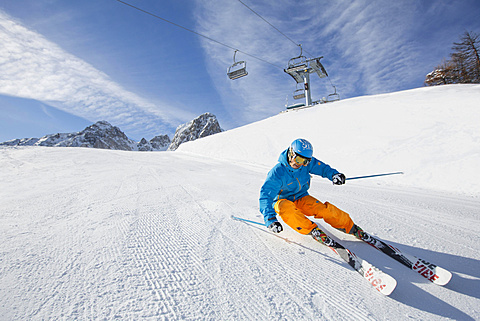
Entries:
{"x":67,"y":64}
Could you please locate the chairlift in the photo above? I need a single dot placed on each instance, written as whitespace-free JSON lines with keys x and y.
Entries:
{"x":300,"y":68}
{"x":238,"y":69}
{"x":299,"y":93}
{"x":333,"y":97}
{"x":297,"y":75}
{"x":297,"y":63}
{"x":318,"y":67}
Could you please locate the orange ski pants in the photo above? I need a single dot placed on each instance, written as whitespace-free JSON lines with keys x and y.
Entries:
{"x":294,"y":214}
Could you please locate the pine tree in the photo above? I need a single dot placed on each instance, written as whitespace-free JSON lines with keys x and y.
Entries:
{"x":464,"y":65}
{"x":467,"y":53}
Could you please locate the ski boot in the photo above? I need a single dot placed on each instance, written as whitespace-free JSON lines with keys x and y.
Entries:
{"x":321,"y":237}
{"x":359,"y":233}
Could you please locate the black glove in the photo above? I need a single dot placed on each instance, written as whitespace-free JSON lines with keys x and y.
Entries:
{"x":338,"y":179}
{"x":275,"y":227}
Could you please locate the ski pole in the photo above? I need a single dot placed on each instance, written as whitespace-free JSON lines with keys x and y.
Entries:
{"x":244,"y":220}
{"x":359,"y":177}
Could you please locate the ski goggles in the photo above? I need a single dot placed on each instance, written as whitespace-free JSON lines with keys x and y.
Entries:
{"x":300,"y":160}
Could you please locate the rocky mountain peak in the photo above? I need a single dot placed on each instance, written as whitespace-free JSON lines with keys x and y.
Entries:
{"x":202,"y":126}
{"x":157,"y":143}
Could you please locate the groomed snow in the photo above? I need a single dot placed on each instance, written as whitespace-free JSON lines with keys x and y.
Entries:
{"x":100,"y":234}
{"x":432,"y":134}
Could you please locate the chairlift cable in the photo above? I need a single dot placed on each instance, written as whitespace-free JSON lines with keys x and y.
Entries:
{"x":331,"y":83}
{"x":300,"y":45}
{"x":296,"y":44}
{"x":192,"y":31}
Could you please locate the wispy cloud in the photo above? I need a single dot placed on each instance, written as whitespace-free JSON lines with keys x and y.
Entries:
{"x":33,"y":67}
{"x":367,"y":45}
{"x":264,"y":89}
{"x":373,"y":37}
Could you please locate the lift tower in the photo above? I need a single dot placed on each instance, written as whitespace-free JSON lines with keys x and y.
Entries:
{"x":300,"y":69}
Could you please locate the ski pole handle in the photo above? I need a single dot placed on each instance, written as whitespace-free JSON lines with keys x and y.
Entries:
{"x":368,"y":176}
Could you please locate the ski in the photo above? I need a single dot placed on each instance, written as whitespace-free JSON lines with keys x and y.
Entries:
{"x":380,"y":280}
{"x":428,"y":270}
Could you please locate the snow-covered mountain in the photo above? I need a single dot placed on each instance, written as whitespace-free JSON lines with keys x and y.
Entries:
{"x":88,"y":234}
{"x":20,"y":142}
{"x":99,"y":135}
{"x":105,"y":136}
{"x":157,"y":143}
{"x":202,"y":126}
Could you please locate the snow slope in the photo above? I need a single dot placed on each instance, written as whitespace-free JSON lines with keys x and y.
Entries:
{"x":101,"y":234}
{"x":432,"y":134}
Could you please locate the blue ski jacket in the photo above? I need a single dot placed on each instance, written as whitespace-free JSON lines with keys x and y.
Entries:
{"x":285,"y":182}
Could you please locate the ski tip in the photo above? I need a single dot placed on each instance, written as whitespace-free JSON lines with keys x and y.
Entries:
{"x":444,"y":276}
{"x":388,"y":290}
{"x":381,"y":281}
{"x":387,"y":287}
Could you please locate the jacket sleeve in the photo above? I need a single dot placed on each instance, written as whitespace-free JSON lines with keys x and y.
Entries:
{"x":319,"y":168}
{"x":269,"y":191}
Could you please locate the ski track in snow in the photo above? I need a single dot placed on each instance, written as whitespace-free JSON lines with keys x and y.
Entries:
{"x":91,"y":234}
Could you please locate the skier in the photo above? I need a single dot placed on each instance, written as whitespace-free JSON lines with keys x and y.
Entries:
{"x":285,"y":192}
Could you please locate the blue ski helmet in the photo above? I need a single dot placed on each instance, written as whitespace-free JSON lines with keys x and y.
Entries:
{"x":302,"y":147}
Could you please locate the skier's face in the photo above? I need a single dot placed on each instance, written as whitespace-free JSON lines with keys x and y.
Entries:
{"x":296,"y":161}
{"x":293,"y":163}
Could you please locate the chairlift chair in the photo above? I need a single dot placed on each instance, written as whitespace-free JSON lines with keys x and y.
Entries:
{"x":333,"y":97}
{"x":297,"y":63}
{"x":238,"y":69}
{"x":299,"y":93}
